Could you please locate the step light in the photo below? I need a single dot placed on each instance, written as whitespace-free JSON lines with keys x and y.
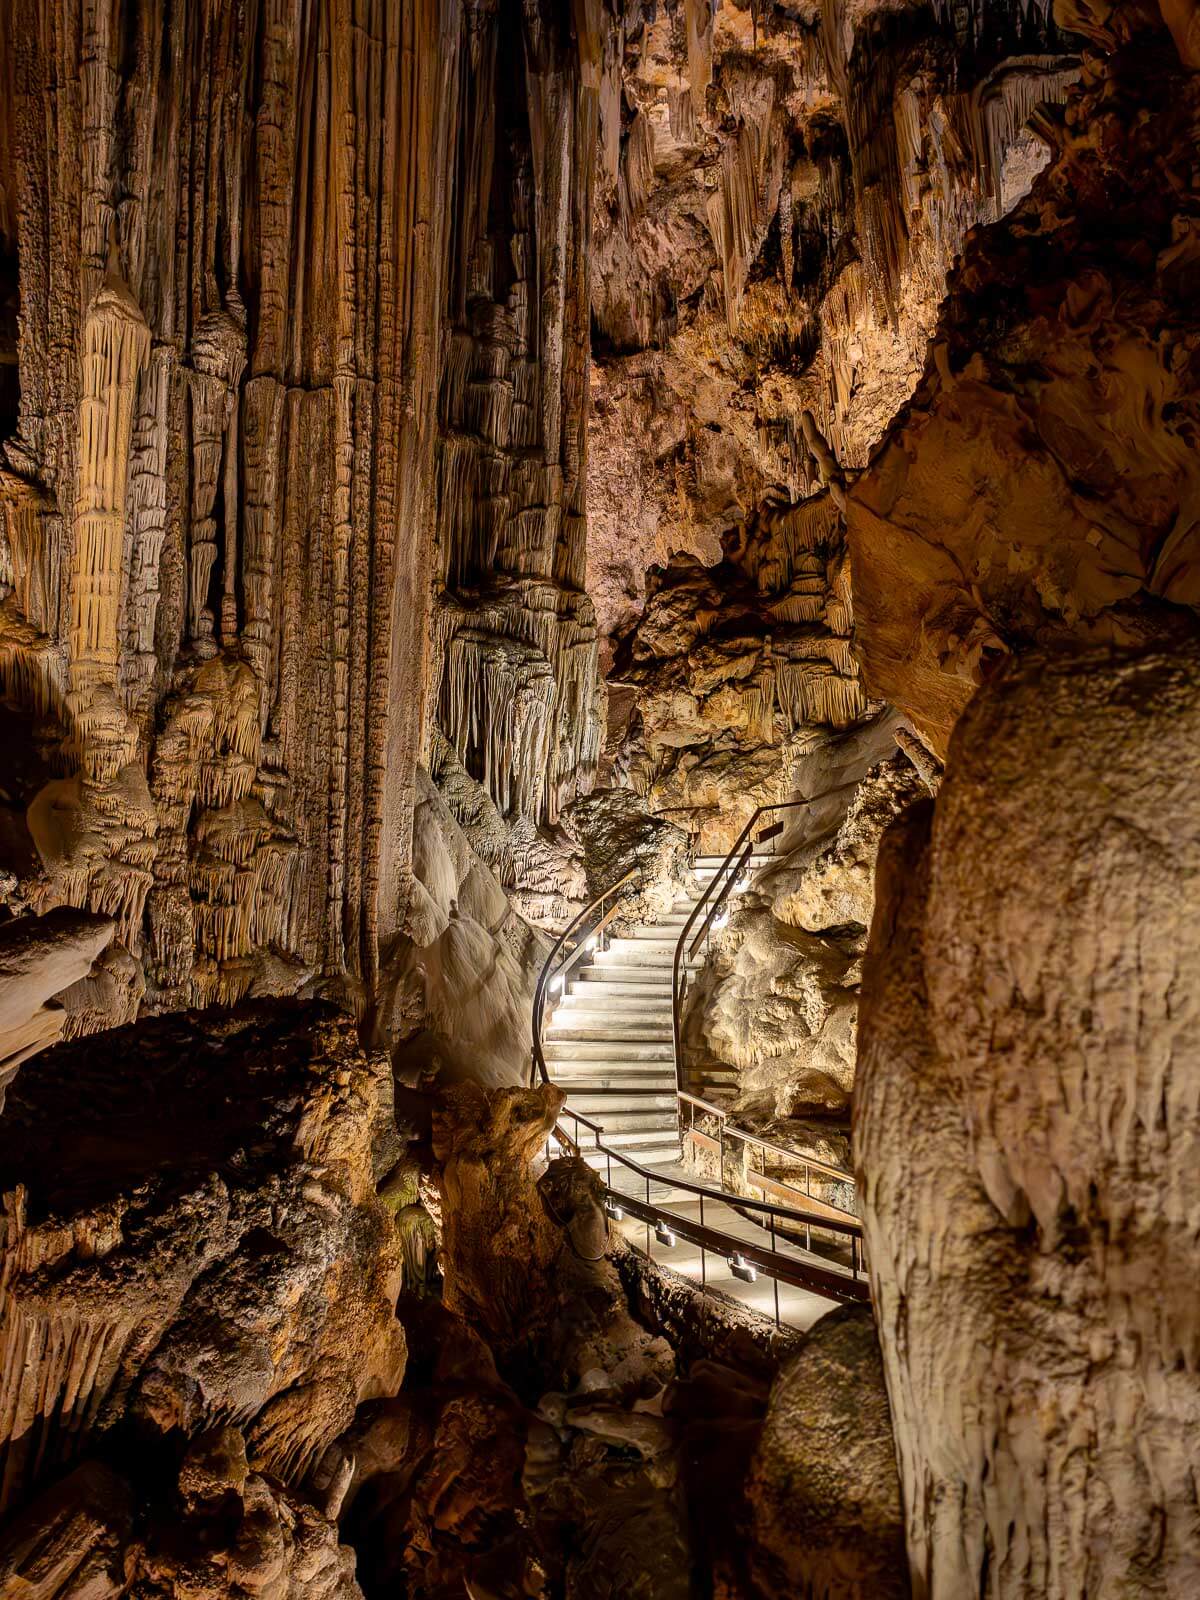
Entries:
{"x":613,"y":1211}
{"x":742,"y":1269}
{"x":664,"y":1235}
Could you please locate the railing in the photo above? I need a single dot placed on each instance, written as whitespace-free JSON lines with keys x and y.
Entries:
{"x":664,"y":1218}
{"x":728,"y":1133}
{"x":716,"y":893}
{"x":581,"y":936}
{"x":746,"y":1257}
{"x":727,"y":875}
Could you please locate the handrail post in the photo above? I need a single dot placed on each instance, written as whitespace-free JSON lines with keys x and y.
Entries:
{"x":774,"y":1279}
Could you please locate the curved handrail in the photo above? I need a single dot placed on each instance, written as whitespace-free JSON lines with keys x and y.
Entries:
{"x":743,"y":849}
{"x":550,"y":971}
{"x":826,"y":1280}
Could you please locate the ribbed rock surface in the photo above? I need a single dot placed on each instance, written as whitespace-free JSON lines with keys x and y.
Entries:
{"x":296,"y":461}
{"x":1026,"y":1125}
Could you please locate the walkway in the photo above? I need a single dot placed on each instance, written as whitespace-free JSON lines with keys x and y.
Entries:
{"x":608,"y":1043}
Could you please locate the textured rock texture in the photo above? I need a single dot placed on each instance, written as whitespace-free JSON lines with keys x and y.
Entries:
{"x":739,"y":672}
{"x":46,"y":967}
{"x":1025,"y":1126}
{"x":458,"y":991}
{"x":1043,"y":484}
{"x":211,"y":1252}
{"x":825,"y":1515}
{"x":296,"y":460}
{"x":209,"y":1274}
{"x":536,"y":1297}
{"x":779,"y":201}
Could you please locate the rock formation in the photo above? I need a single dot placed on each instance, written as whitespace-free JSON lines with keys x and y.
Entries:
{"x":771,"y":1020}
{"x":297,"y":464}
{"x":375,"y":377}
{"x":772,"y":237}
{"x":823,"y":1495}
{"x":1024,"y":1126}
{"x":1041,"y":487}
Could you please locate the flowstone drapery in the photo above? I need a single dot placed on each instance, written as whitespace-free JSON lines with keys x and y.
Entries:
{"x":298,"y":462}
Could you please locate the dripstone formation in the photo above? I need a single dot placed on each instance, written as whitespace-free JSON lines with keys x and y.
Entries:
{"x":296,"y":461}
{"x":457,"y":456}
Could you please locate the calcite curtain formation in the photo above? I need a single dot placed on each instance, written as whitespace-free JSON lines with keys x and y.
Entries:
{"x":299,"y":454}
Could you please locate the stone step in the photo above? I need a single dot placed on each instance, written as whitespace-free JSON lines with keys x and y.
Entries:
{"x":758,"y":858}
{"x":609,"y":983}
{"x":642,"y":1074}
{"x":605,"y":1027}
{"x":648,"y":1102}
{"x":622,"y":1122}
{"x":642,"y":953}
{"x":640,"y":1145}
{"x":629,"y":1008}
{"x":634,"y":1050}
{"x":640,"y":970}
{"x":611,"y":1082}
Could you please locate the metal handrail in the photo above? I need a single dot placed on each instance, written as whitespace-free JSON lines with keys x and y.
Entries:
{"x":727,"y":874}
{"x":744,"y":1136}
{"x":827,"y":1280}
{"x":743,"y":848}
{"x":550,"y":970}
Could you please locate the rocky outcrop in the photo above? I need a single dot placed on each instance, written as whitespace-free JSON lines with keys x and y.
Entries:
{"x":738,"y":671}
{"x":825,"y":1516}
{"x":212,"y":1252}
{"x":1024,"y":1135}
{"x":1042,"y":486}
{"x":458,"y":993}
{"x":619,"y":840}
{"x":45,"y":963}
{"x":560,"y":1311}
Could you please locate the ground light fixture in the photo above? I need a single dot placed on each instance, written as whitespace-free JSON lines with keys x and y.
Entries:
{"x":665,"y":1235}
{"x":613,"y":1211}
{"x":742,"y":1269}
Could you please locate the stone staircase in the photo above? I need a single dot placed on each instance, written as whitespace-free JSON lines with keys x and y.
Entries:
{"x":608,"y":1042}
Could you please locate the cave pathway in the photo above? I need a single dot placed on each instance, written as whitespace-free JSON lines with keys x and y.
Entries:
{"x":608,"y":1043}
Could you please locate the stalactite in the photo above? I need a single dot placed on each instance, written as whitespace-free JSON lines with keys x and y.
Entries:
{"x":116,"y":343}
{"x":218,"y":356}
{"x":698,"y":20}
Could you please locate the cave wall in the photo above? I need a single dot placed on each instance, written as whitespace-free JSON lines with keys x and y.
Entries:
{"x":1041,"y":486}
{"x":298,"y":459}
{"x":778,"y":206}
{"x":1025,"y":1121}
